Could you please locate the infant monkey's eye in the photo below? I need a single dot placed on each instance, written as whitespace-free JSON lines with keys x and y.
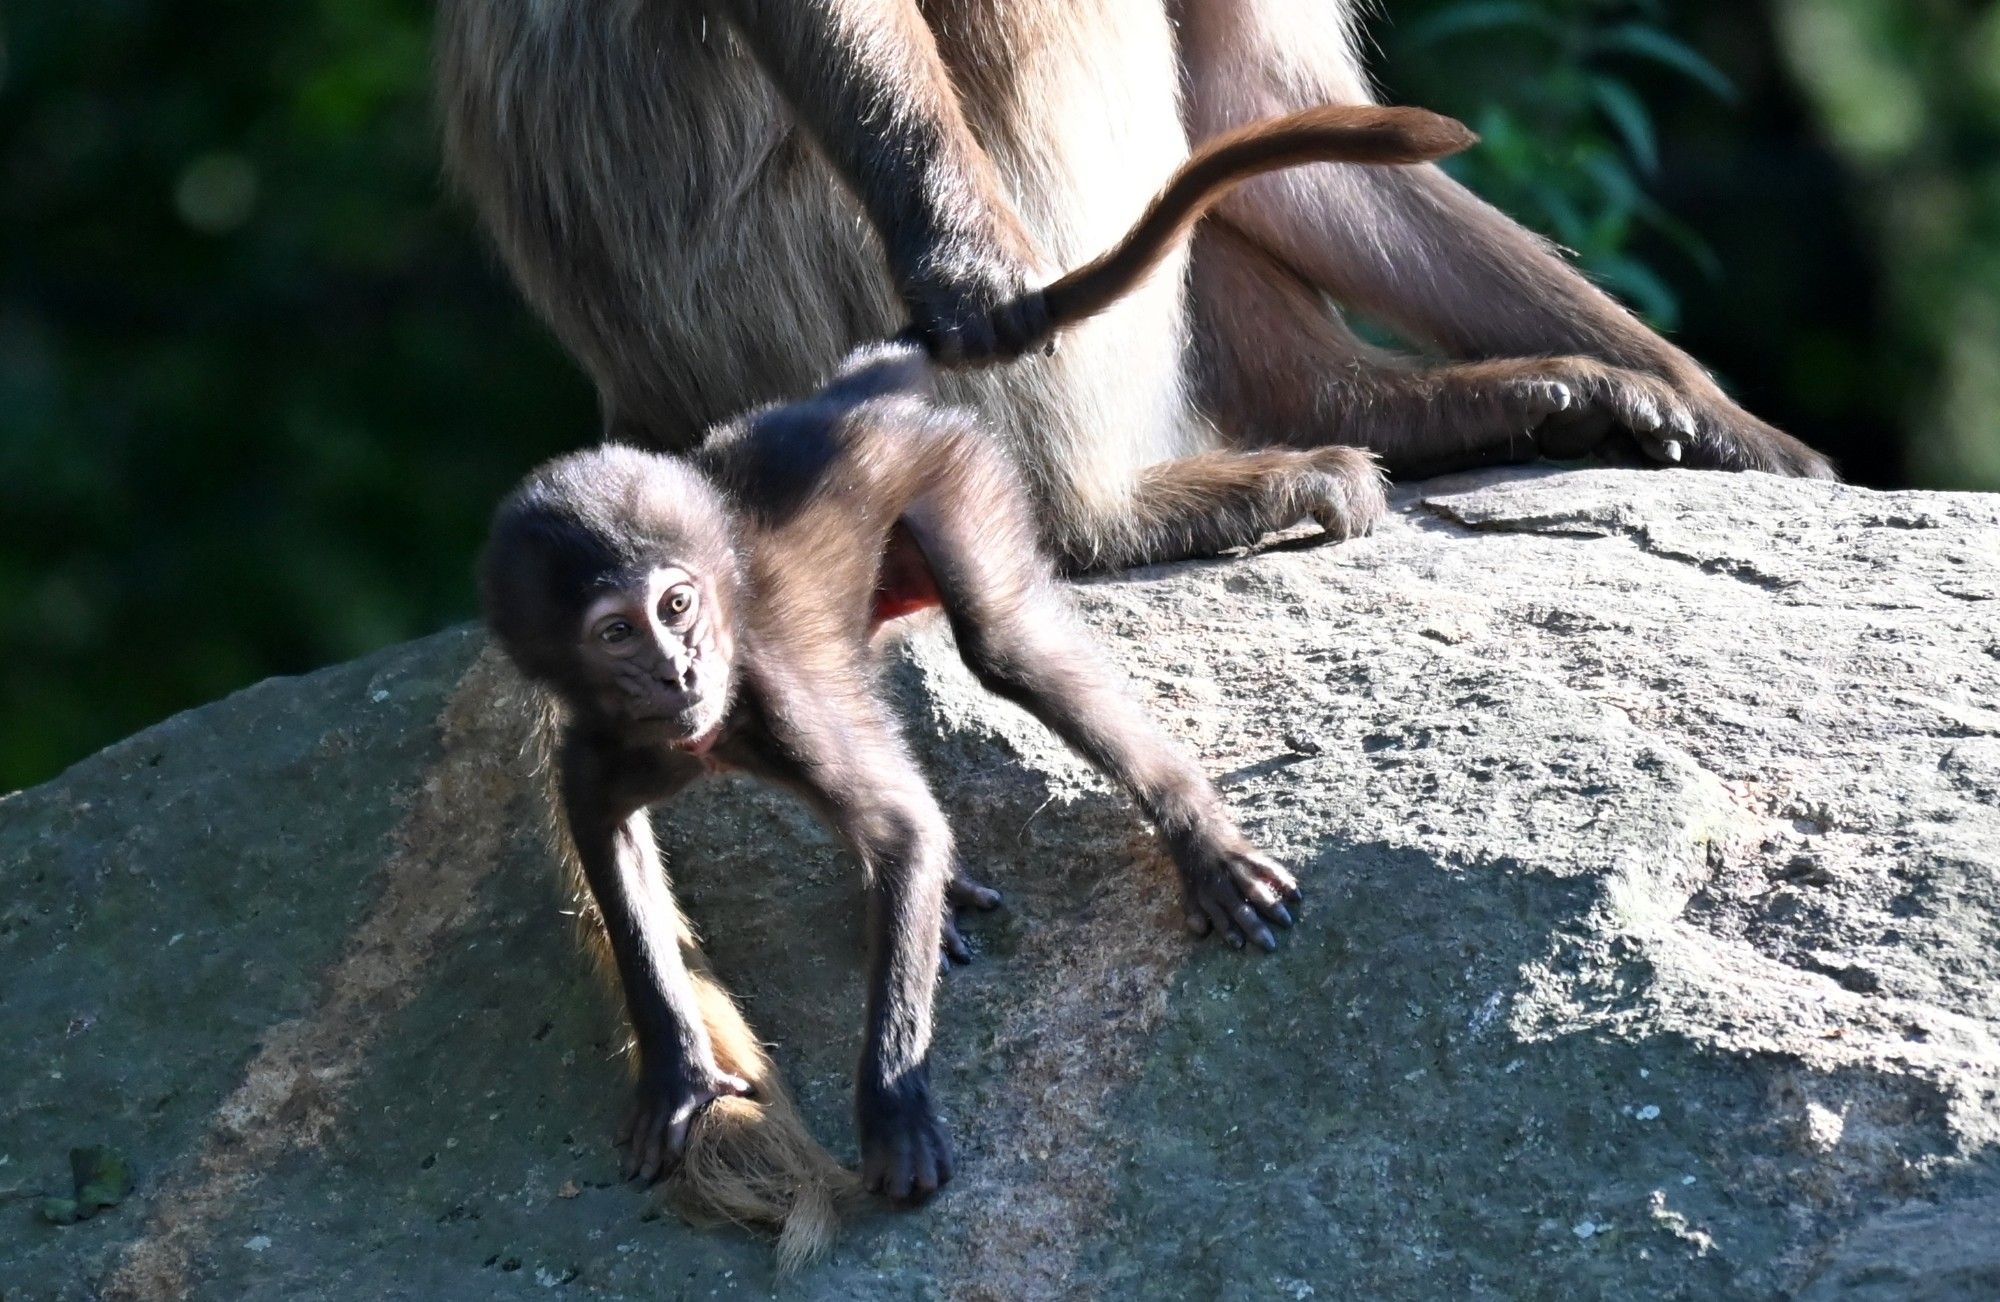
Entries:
{"x":678,"y":601}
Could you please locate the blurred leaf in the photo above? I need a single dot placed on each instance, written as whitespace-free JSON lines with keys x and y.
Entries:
{"x":1625,"y":112}
{"x":1615,"y":184}
{"x":1633,"y":279}
{"x":1479,"y":16}
{"x":1652,"y":43}
{"x":234,"y":305}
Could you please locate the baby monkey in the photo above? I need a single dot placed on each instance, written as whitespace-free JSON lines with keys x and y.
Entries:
{"x":718,"y":611}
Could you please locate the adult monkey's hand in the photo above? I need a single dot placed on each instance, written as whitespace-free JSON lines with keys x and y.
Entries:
{"x":865,"y":77}
{"x":968,"y":293}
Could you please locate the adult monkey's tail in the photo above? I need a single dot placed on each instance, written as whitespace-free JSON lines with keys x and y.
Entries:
{"x":1332,"y":133}
{"x":752,"y":1161}
{"x":748,"y":1161}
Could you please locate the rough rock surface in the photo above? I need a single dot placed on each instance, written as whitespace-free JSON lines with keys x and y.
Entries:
{"x":1648,"y":824}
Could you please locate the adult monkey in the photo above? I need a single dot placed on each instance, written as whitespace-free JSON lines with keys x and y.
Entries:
{"x":699,"y":198}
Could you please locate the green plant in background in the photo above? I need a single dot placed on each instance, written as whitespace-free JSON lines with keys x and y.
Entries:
{"x":258,"y":385}
{"x":1904,"y":94}
{"x":1909,"y":93}
{"x":1567,"y":142}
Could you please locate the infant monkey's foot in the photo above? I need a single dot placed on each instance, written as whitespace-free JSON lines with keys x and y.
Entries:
{"x":1233,"y":890}
{"x":963,"y":893}
{"x":664,"y":1109}
{"x":905,"y":1153}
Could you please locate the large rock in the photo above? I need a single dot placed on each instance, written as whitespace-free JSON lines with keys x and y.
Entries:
{"x":1648,"y":828}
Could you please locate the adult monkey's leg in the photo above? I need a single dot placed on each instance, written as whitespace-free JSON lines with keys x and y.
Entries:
{"x":1415,"y":249}
{"x":1275,"y":366}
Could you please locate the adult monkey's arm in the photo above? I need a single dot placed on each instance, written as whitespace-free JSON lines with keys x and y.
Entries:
{"x":865,"y":77}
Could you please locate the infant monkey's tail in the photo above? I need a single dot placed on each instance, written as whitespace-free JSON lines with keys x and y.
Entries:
{"x":1342,"y":133}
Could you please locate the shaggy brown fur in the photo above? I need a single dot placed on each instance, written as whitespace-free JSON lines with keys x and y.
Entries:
{"x":797,"y":528}
{"x":701,"y":198}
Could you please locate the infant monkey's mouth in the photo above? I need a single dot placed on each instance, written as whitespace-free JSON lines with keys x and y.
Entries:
{"x":701,"y":743}
{"x":688,"y":727}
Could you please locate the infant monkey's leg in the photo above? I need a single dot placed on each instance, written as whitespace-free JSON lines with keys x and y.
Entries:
{"x":1017,"y":633}
{"x":854,"y":768}
{"x":961,"y":894}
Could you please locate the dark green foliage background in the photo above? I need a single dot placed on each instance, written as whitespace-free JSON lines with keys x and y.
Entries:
{"x":259,"y":384}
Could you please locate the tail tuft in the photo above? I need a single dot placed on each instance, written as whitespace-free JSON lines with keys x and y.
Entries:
{"x":749,"y":1162}
{"x":753,"y":1162}
{"x":1369,"y":133}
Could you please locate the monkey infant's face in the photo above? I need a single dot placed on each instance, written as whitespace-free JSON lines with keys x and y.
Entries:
{"x":658,"y":650}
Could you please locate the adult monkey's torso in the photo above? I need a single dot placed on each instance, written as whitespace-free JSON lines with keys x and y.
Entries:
{"x":691,"y":245}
